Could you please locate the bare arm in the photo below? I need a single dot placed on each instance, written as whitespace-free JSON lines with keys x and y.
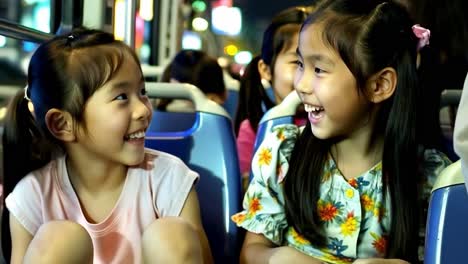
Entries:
{"x":20,"y":240}
{"x":191,"y":213}
{"x":258,"y":249}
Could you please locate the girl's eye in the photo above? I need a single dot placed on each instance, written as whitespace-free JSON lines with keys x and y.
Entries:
{"x":299,"y":64}
{"x":318,"y":70}
{"x":121,"y":97}
{"x":143,"y":91}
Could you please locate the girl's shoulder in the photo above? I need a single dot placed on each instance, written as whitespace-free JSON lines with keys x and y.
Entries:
{"x":272,"y":156}
{"x":163,"y":163}
{"x":280,"y":138}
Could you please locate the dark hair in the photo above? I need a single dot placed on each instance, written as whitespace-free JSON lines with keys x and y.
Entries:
{"x":253,"y":100}
{"x":368,"y":36}
{"x":198,"y":68}
{"x":444,"y":62}
{"x":63,"y":73}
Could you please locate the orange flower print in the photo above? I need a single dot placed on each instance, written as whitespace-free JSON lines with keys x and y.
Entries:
{"x":254,"y":206}
{"x":280,"y":135}
{"x":353,"y":182}
{"x":350,"y":225}
{"x":367,"y":202}
{"x":238,"y":218}
{"x":379,"y":243}
{"x":327,"y":211}
{"x":264,"y":157}
{"x":299,"y":239}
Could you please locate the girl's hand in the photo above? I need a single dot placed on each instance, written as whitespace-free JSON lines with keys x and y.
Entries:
{"x":288,"y":255}
{"x":380,"y":261}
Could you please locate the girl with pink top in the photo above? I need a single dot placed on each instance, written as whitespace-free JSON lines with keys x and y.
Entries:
{"x":276,"y":65}
{"x":92,"y":192}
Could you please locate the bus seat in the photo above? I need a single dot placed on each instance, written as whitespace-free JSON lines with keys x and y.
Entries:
{"x":277,"y":115}
{"x":446,"y":227}
{"x":231,"y":102}
{"x":207,"y":147}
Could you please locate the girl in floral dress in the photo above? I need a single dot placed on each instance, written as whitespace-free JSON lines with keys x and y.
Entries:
{"x":351,"y":185}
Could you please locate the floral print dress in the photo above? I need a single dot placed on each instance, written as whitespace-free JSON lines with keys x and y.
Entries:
{"x":354,"y":213}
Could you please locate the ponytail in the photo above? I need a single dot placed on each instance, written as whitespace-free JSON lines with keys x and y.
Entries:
{"x":25,"y":149}
{"x":253,"y":99}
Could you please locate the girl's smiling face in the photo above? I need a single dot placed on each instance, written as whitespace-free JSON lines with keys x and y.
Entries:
{"x":328,"y":89}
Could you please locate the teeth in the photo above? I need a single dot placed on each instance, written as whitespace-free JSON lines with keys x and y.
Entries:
{"x":309,"y":108}
{"x":139,"y":134}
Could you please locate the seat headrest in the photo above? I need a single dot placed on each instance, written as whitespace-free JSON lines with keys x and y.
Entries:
{"x":286,"y":108}
{"x":185,"y":91}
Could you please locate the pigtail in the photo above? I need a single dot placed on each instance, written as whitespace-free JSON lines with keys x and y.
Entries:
{"x":253,"y":99}
{"x":24,"y":150}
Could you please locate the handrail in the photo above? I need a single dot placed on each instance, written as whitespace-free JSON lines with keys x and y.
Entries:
{"x":12,"y":30}
{"x":185,"y":91}
{"x":286,"y":108}
{"x":450,"y":97}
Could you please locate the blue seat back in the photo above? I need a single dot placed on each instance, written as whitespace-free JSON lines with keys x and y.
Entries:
{"x":207,"y":147}
{"x":231,"y":102}
{"x":447,"y":229}
{"x":278,"y":115}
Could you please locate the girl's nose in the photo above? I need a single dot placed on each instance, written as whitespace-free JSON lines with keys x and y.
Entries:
{"x":303,"y":84}
{"x":142,"y":109}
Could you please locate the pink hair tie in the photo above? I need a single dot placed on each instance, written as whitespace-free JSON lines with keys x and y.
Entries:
{"x":423,"y":34}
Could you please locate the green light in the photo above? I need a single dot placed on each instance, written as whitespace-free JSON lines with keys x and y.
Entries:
{"x":199,"y":6}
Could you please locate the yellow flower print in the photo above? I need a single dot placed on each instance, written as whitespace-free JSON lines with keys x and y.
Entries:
{"x":367,"y":202}
{"x":349,"y":193}
{"x":254,"y":206}
{"x":350,"y":225}
{"x":298,"y":239}
{"x":264,"y":157}
{"x":238,"y":218}
{"x":379,"y":212}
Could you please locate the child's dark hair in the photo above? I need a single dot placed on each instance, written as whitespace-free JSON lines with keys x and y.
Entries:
{"x":368,"y":36}
{"x":63,"y":73}
{"x":198,"y":68}
{"x":253,"y":100}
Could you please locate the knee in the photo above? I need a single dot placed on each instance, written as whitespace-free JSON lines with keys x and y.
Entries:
{"x":171,"y":240}
{"x":60,"y":242}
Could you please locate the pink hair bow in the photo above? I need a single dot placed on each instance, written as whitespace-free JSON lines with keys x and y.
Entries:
{"x":423,"y":34}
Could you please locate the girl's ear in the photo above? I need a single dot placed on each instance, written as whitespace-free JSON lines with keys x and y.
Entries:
{"x":382,"y":85}
{"x":264,"y":70}
{"x":60,"y":124}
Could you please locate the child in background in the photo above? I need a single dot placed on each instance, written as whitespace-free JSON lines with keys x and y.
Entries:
{"x":92,"y":192}
{"x":346,"y":188}
{"x":197,"y":68}
{"x":276,"y":66}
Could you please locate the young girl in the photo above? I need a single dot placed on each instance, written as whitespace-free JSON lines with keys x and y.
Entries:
{"x":276,"y":64}
{"x":347,"y":187}
{"x":93,"y":193}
